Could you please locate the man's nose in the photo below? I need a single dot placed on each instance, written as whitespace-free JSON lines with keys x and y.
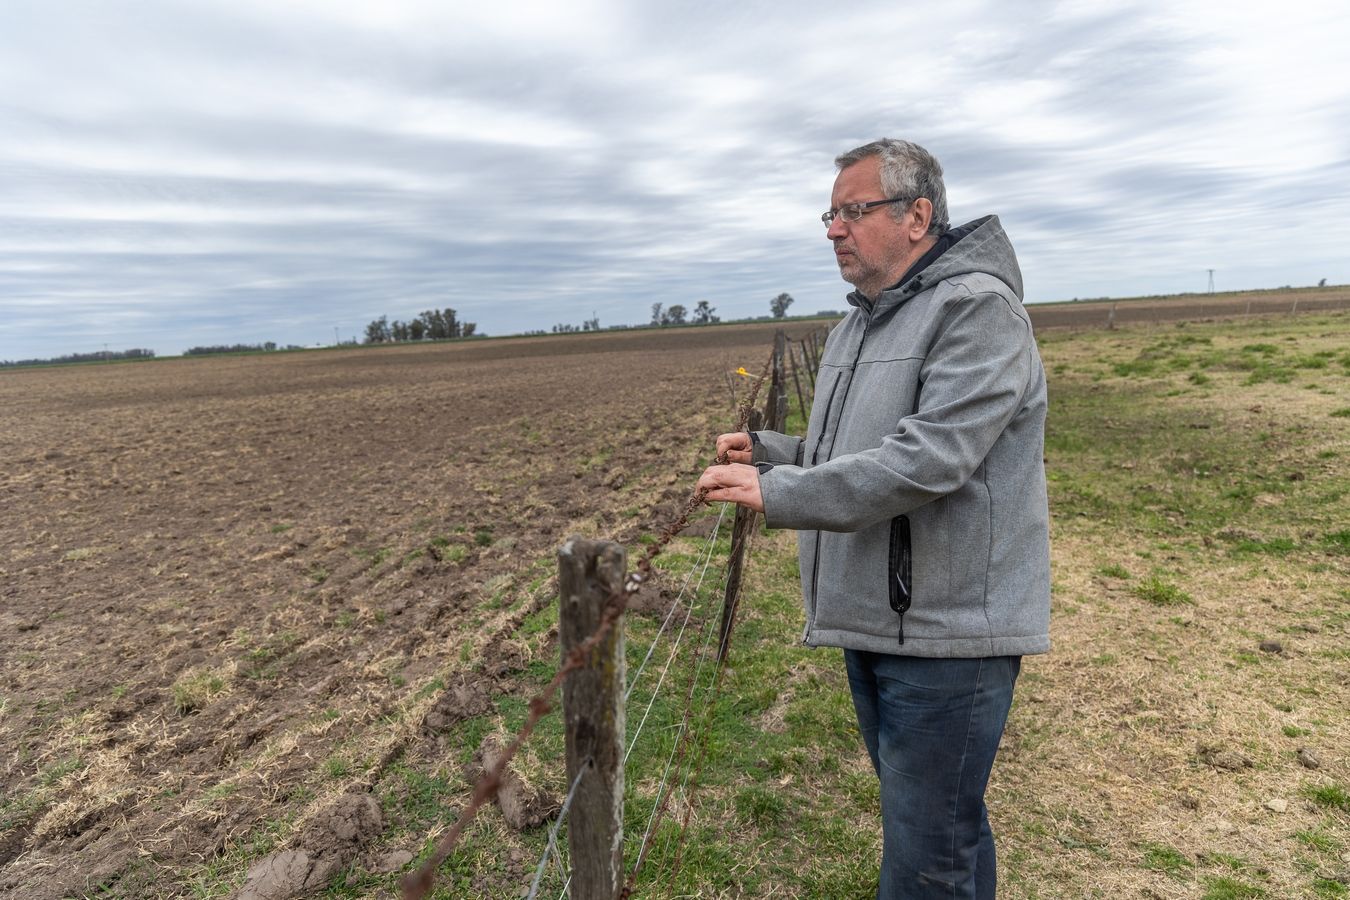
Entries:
{"x":838,"y":228}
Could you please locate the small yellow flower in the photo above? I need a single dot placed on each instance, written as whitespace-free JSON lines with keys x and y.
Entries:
{"x":741,"y":371}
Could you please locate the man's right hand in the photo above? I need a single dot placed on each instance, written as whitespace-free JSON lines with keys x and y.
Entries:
{"x":736,"y":447}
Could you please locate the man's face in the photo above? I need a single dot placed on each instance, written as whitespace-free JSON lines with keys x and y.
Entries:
{"x":874,"y":251}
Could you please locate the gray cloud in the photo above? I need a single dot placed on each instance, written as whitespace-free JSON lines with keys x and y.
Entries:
{"x":182,"y":174}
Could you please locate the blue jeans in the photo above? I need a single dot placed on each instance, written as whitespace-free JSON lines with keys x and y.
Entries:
{"x":932,"y":727}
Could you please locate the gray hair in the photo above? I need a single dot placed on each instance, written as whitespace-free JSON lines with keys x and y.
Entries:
{"x":907,"y":170}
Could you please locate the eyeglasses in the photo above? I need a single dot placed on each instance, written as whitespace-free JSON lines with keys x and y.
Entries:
{"x":852,"y":212}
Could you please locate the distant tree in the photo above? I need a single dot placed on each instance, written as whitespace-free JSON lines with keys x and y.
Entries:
{"x":467,"y":329}
{"x":377,"y":332}
{"x":220,"y":348}
{"x":591,"y":324}
{"x":1322,"y":283}
{"x":441,"y":324}
{"x":703,"y":313}
{"x":398,"y":331}
{"x":674,"y":315}
{"x":779,"y":305}
{"x":657,"y":316}
{"x":417,"y":330}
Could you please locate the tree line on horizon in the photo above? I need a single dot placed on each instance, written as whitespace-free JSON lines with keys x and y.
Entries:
{"x":430,"y":325}
{"x":96,"y":356}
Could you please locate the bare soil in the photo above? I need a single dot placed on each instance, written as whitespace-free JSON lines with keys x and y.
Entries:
{"x":217,"y":574}
{"x":217,"y":571}
{"x":1187,"y":307}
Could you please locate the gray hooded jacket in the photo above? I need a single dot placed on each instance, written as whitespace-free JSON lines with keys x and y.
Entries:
{"x":919,"y":490}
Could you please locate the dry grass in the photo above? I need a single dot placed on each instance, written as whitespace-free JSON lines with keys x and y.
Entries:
{"x":1201,"y":602}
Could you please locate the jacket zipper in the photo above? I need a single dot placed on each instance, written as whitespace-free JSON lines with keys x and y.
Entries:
{"x":815,"y":457}
{"x":900,"y":574}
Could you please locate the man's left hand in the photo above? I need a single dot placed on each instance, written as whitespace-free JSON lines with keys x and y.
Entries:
{"x":734,"y":483}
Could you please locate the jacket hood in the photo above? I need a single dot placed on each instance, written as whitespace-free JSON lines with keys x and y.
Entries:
{"x":977,"y":246}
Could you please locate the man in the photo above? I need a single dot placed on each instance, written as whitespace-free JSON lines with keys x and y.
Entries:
{"x":919,"y":496}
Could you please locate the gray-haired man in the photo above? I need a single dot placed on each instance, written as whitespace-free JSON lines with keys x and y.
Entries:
{"x":919,"y":497}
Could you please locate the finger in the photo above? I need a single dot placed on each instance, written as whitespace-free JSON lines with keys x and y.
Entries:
{"x":728,"y":477}
{"x":738,"y":440}
{"x":711,"y":479}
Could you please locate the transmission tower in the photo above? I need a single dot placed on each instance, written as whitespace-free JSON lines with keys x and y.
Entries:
{"x":1211,"y":280}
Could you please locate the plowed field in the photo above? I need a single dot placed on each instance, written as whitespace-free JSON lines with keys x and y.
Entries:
{"x":218,"y":576}
{"x":216,"y":571}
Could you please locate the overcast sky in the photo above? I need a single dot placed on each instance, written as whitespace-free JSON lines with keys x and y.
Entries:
{"x":175,"y":173}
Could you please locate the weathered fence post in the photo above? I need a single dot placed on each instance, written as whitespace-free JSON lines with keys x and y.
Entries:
{"x":740,"y":538}
{"x":590,"y":575}
{"x":810,"y":366}
{"x":779,"y":394}
{"x":797,"y":383}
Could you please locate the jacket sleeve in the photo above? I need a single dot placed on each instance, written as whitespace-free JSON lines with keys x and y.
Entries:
{"x":779,"y":449}
{"x":974,"y":380}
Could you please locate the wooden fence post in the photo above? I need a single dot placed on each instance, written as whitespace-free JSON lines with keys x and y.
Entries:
{"x":743,"y":526}
{"x":797,"y":383}
{"x":590,"y":574}
{"x":779,"y":393}
{"x":806,"y":360}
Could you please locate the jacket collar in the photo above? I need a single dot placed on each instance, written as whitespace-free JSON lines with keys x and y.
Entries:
{"x":912,"y":282}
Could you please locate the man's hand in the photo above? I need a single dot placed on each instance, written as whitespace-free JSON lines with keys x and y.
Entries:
{"x":736,"y":446}
{"x":734,"y":482}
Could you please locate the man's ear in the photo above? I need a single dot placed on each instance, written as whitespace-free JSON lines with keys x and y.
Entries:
{"x":919,"y":217}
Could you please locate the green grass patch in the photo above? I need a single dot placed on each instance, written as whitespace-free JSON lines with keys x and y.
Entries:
{"x":1161,"y":593}
{"x":1224,"y":888}
{"x":195,"y":691}
{"x":55,"y":772}
{"x":1162,"y":858}
{"x":1332,"y":796}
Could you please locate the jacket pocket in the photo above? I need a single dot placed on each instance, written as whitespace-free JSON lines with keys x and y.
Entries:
{"x":901,"y":571}
{"x":824,"y":419}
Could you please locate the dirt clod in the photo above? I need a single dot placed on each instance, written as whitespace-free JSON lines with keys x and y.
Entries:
{"x":392,"y":861}
{"x":1271,"y":647}
{"x":458,"y":702}
{"x":325,"y":847}
{"x":1221,"y":758}
{"x":1307,"y":759}
{"x":523,"y":805}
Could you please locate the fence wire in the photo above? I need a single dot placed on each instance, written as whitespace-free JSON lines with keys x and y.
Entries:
{"x":551,"y":849}
{"x":675,"y":646}
{"x":419,"y":883}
